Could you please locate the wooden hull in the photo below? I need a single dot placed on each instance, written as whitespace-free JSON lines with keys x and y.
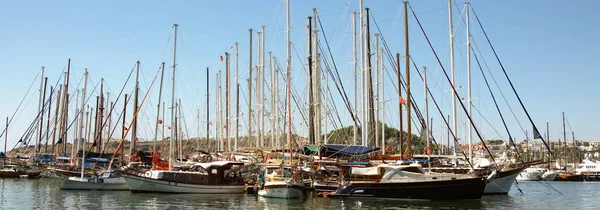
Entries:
{"x":471,"y":188}
{"x":20,"y":174}
{"x":149,"y":185}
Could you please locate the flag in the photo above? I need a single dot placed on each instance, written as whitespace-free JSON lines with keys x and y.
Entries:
{"x":221,"y":58}
{"x":136,"y":139}
{"x":231,"y":47}
{"x":536,"y":133}
{"x":159,"y":122}
{"x":125,"y":128}
{"x":59,"y":141}
{"x":402,"y":101}
{"x":169,"y":127}
{"x":225,"y":126}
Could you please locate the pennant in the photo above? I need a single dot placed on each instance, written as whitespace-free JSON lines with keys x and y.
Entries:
{"x":59,"y":141}
{"x":536,"y":133}
{"x":169,"y":127}
{"x":160,"y":122}
{"x":221,"y":58}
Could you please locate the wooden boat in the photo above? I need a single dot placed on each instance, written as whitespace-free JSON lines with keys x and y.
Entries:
{"x":203,"y":178}
{"x":14,"y":171}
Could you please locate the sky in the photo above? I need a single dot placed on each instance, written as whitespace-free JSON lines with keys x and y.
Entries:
{"x":547,"y":48}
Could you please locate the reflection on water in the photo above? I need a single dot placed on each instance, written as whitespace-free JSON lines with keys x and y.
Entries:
{"x":45,"y":194}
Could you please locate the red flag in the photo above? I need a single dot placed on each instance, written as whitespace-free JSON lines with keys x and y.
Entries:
{"x":137,"y":139}
{"x":221,"y":58}
{"x":125,"y":128}
{"x":169,"y":127}
{"x":231,"y":47}
{"x":225,"y":126}
{"x":402,"y":101}
{"x":159,"y":122}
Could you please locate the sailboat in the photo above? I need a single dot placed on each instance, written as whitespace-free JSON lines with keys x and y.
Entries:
{"x":281,"y":181}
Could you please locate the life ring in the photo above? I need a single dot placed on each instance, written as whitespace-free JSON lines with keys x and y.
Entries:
{"x":427,"y":150}
{"x":483,"y":147}
{"x":475,"y":148}
{"x":389,"y":148}
{"x":465,"y":147}
{"x":148,"y":174}
{"x":156,"y":155}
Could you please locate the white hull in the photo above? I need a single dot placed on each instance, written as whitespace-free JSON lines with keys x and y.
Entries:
{"x":283,"y":192}
{"x":500,"y":185}
{"x":76,"y":183}
{"x":142,"y":184}
{"x":549,"y":175}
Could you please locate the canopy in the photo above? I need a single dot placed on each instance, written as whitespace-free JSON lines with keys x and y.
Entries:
{"x":335,"y":150}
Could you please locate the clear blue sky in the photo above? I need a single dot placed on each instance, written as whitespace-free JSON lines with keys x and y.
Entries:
{"x":547,"y":47}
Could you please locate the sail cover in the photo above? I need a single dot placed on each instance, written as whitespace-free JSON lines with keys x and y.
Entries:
{"x":336,"y":150}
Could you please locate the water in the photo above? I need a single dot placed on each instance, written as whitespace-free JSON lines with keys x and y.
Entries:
{"x":45,"y":194}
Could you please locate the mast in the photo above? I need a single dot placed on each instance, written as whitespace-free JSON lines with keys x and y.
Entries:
{"x":364,"y":127}
{"x":179,"y":130}
{"x":408,"y":101}
{"x":257,"y":94}
{"x":289,"y":85}
{"x":272,"y":111}
{"x":83,"y":100}
{"x":48,"y":119}
{"x":355,"y":136}
{"x":171,"y":154}
{"x":6,"y":135}
{"x":207,"y":110}
{"x":100,"y":118}
{"x":124,"y":125}
{"x":227,"y":102}
{"x":250,"y":91}
{"x":370,"y":105}
{"x":469,"y":99}
{"x":73,"y":146}
{"x":39,"y":143}
{"x":564,"y":140}
{"x":316,"y":80}
{"x":377,"y":90}
{"x":237,"y":98}
{"x":454,"y":120}
{"x":549,"y":142}
{"x":262,"y":87}
{"x":87,"y":115}
{"x":135,"y":108}
{"x":56,"y":117}
{"x":401,"y":140}
{"x":162,"y":75}
{"x":39,"y":120}
{"x":66,"y":109}
{"x":382,"y":101}
{"x":219,"y":113}
{"x":426,"y":127}
{"x":311,"y":108}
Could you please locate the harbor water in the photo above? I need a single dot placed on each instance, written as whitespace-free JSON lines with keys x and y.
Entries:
{"x":45,"y":194}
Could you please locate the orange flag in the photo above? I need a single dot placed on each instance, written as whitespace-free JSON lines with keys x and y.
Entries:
{"x":402,"y":101}
{"x":221,"y":58}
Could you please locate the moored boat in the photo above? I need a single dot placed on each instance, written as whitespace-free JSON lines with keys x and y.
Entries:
{"x":280,"y":182}
{"x":107,"y":180}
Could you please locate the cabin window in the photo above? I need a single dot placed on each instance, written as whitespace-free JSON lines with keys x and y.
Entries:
{"x":214,"y":171}
{"x":412,"y":169}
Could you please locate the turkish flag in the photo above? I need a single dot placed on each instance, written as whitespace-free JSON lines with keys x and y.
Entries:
{"x":221,"y":58}
{"x":159,"y":122}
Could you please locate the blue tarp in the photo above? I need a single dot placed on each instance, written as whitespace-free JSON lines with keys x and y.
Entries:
{"x":336,"y":150}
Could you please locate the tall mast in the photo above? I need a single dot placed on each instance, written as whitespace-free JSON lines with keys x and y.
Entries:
{"x":48,"y":119}
{"x":83,"y":98}
{"x":258,"y":86}
{"x":454,"y":120}
{"x":408,"y":101}
{"x":227,"y":102}
{"x":73,"y":145}
{"x":426,"y":127}
{"x":376,"y":90}
{"x":564,"y":140}
{"x":311,"y":97}
{"x":363,"y":85}
{"x":355,"y":136}
{"x":207,"y":110}
{"x":219,"y":113}
{"x":56,"y":117}
{"x":83,"y":142}
{"x":135,"y":108}
{"x":123,"y":126}
{"x":65,"y":109}
{"x":401,"y":136}
{"x":469,"y":99}
{"x":273,"y":75}
{"x":179,"y":130}
{"x":250,"y":91}
{"x":39,"y":148}
{"x":171,"y":154}
{"x":370,"y":105}
{"x":262,"y":87}
{"x":100,"y":118}
{"x":237,"y":98}
{"x":316,"y":79}
{"x":39,"y":120}
{"x":549,"y":142}
{"x":382,"y":100}
{"x":162,"y":75}
{"x":289,"y":78}
{"x":6,"y":135}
